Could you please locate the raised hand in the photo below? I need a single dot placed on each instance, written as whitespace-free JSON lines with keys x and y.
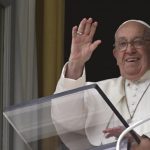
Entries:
{"x":82,"y":46}
{"x":82,"y":41}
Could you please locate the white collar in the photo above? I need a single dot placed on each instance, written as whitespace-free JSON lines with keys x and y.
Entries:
{"x":144,"y":78}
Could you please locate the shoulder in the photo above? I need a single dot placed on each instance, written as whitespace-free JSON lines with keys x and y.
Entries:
{"x":109,"y":83}
{"x":113,"y":88}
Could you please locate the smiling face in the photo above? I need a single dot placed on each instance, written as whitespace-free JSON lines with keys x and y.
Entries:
{"x":134,"y":61}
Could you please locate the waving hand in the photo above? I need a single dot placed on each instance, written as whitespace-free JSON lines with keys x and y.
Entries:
{"x":82,"y":46}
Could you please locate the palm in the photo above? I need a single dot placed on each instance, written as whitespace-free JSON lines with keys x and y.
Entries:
{"x":82,"y":48}
{"x":82,"y":44}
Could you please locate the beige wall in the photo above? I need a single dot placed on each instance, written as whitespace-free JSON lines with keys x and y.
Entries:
{"x":50,"y":32}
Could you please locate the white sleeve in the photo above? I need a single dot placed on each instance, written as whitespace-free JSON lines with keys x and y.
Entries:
{"x":69,"y":113}
{"x":66,"y":83}
{"x":78,"y":118}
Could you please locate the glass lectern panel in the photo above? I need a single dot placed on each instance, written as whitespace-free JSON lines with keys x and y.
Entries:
{"x":77,"y":116}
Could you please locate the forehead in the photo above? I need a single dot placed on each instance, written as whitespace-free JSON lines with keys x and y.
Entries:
{"x":130,"y":30}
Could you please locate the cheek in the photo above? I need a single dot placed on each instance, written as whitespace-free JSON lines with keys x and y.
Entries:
{"x":119,"y":56}
{"x":119,"y":59}
{"x":146,"y":57}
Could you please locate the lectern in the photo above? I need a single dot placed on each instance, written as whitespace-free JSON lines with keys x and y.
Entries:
{"x":32,"y":121}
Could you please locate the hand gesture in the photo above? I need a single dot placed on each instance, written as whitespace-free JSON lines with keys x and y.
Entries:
{"x":113,"y":132}
{"x":82,"y":47}
{"x":116,"y":132}
{"x":82,"y":41}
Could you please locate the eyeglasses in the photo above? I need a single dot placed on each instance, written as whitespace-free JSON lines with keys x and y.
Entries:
{"x":136,"y":43}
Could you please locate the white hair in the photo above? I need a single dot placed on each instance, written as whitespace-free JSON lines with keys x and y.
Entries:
{"x":138,"y":21}
{"x":134,"y":20}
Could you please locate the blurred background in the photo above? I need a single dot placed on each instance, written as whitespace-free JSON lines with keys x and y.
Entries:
{"x":35,"y":38}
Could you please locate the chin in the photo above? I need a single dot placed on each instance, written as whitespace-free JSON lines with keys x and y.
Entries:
{"x":132,"y":76}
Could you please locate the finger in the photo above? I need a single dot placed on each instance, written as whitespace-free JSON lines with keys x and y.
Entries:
{"x":119,"y":128}
{"x":107,"y":130}
{"x":93,"y":47}
{"x":104,"y":131}
{"x":93,"y":29}
{"x":74,"y":31}
{"x":111,"y":129}
{"x":82,"y":25}
{"x":110,"y":135}
{"x":112,"y":132}
{"x":88,"y":26}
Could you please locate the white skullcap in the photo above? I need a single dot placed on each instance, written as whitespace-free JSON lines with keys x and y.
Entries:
{"x":134,"y":20}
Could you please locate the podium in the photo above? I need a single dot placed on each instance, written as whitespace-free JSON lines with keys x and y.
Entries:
{"x":33,"y":120}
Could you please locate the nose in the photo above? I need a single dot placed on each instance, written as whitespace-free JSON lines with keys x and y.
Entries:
{"x":130,"y":48}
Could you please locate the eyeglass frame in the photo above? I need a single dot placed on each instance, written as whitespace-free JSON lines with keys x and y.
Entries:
{"x":132,"y":43}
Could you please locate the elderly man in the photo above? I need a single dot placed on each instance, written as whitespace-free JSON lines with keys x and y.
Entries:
{"x":129,"y":92}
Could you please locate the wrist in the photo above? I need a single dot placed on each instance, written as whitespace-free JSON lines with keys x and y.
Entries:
{"x":74,"y":69}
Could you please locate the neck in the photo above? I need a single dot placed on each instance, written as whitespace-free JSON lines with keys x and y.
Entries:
{"x":145,"y":76}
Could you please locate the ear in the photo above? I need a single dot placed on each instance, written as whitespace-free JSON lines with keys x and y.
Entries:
{"x":115,"y":53}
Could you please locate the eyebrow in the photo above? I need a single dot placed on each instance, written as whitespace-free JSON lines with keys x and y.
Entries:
{"x":125,"y":39}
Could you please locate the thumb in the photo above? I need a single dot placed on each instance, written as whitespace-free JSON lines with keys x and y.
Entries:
{"x":95,"y":44}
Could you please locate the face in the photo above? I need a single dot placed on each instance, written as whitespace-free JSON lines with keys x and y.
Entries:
{"x":134,"y":60}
